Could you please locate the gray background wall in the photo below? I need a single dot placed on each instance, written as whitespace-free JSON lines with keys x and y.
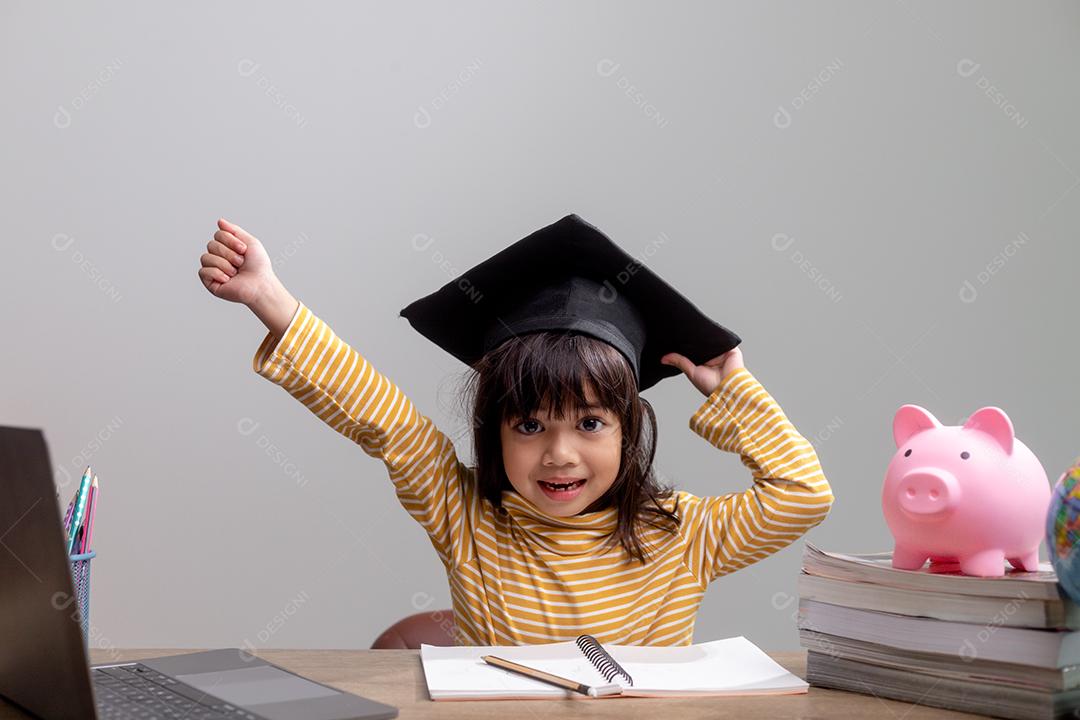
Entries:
{"x":880,"y":198}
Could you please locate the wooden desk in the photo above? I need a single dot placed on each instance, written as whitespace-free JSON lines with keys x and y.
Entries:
{"x":396,"y":677}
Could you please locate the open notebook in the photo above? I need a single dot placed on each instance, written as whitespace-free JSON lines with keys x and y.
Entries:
{"x":733,"y":666}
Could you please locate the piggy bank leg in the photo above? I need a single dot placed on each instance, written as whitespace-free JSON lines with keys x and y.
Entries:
{"x":907,"y":558}
{"x":1028,"y":562}
{"x":985,"y":563}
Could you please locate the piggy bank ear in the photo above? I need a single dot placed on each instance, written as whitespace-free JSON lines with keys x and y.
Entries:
{"x":910,"y":419}
{"x":994,"y":422}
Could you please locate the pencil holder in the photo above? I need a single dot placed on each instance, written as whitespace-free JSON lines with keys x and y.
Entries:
{"x":80,"y":579}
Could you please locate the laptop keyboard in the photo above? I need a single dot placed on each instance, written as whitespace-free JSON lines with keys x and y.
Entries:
{"x":136,"y":692}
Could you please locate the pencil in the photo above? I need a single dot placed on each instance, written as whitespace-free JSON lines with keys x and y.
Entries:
{"x":80,"y":508}
{"x":67,"y":518}
{"x":88,"y":520}
{"x":598,"y":691}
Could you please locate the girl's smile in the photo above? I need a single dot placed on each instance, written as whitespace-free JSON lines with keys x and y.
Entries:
{"x":562,"y":489}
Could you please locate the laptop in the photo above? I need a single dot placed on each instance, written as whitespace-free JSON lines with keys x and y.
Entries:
{"x":44,"y":666}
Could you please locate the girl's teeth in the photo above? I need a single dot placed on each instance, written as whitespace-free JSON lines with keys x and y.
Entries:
{"x":564,"y":486}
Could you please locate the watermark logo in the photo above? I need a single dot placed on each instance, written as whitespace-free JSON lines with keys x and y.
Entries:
{"x":967,"y":68}
{"x":95,"y":638}
{"x":247,"y":652}
{"x":286,"y":253}
{"x":248,"y":68}
{"x":423,"y":117}
{"x":421,"y":601}
{"x":81,"y":459}
{"x":968,"y":650}
{"x":608,"y":293}
{"x":969,"y":292}
{"x":422,"y":242}
{"x":62,"y":118}
{"x":63,"y":243}
{"x":834,"y":424}
{"x":247,"y":427}
{"x":819,"y":641}
{"x":782,"y":242}
{"x":783,"y":117}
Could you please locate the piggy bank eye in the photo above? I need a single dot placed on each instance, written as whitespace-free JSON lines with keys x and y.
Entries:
{"x":908,"y":452}
{"x":965,"y":455}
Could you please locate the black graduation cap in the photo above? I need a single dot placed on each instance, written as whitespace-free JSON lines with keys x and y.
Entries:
{"x":569,"y":276}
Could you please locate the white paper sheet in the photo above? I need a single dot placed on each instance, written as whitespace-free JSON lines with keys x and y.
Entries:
{"x":720,"y":667}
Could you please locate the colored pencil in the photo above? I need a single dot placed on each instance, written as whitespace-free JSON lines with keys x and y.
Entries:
{"x":67,"y":515}
{"x":80,"y":508}
{"x":80,"y":532}
{"x":90,"y":516}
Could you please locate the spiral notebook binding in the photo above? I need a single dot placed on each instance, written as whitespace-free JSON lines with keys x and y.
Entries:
{"x":601,"y":660}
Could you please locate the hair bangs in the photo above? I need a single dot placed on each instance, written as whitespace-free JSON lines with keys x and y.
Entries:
{"x":562,"y":375}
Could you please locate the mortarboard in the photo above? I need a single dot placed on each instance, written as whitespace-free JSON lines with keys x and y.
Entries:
{"x":569,"y":276}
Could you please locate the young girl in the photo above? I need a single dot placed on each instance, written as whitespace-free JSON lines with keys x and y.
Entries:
{"x":561,"y":528}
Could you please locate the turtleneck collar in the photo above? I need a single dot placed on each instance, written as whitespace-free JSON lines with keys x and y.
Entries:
{"x":573,"y":535}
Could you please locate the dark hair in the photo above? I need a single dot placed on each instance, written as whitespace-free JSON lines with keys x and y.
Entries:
{"x":551,"y":370}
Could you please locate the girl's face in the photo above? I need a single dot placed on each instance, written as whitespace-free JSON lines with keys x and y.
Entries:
{"x":540,"y":450}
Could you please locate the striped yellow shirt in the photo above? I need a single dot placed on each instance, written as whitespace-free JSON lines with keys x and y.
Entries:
{"x":525,"y":577}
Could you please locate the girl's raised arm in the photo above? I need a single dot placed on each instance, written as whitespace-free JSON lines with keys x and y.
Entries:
{"x":790,"y":494}
{"x":335,"y":382}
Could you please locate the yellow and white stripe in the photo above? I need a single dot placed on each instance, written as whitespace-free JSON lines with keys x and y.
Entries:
{"x":521,"y":576}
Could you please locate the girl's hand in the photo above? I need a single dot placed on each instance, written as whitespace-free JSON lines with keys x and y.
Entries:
{"x":707,"y":377}
{"x":236,"y":266}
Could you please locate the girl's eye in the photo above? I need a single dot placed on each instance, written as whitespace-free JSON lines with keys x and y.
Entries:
{"x":525,"y":424}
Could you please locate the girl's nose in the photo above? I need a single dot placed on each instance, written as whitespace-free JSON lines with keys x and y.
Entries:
{"x":560,"y":451}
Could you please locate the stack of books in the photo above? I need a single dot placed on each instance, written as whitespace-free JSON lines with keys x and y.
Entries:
{"x":1008,"y":646}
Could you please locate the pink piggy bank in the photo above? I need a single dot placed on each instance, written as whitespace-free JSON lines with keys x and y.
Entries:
{"x":972,"y":493}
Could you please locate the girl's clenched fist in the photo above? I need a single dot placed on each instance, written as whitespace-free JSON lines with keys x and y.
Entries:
{"x":236,"y":266}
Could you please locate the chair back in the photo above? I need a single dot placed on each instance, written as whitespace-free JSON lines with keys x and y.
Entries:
{"x":435,"y":627}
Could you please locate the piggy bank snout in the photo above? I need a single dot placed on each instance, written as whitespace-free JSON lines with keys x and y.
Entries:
{"x":928,"y":492}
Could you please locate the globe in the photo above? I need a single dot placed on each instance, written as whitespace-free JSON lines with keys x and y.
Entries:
{"x":1063,"y":530}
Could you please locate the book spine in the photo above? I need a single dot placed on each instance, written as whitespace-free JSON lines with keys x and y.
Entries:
{"x":1015,"y":611}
